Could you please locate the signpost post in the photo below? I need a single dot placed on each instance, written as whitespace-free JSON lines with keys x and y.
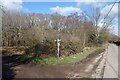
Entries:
{"x":58,"y":47}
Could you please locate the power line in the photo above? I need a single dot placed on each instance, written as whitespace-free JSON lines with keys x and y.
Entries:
{"x":110,"y":9}
{"x":109,"y":12}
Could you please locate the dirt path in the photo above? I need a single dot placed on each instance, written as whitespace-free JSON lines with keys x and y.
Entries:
{"x":82,"y":69}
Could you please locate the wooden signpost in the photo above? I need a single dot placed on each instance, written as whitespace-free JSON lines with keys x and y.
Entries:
{"x":58,"y":47}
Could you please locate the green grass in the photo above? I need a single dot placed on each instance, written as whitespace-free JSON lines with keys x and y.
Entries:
{"x":51,"y":60}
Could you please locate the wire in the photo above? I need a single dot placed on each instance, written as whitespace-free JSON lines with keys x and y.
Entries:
{"x":109,"y":11}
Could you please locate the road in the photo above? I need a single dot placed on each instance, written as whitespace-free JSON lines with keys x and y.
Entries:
{"x":0,"y":64}
{"x":111,"y":66}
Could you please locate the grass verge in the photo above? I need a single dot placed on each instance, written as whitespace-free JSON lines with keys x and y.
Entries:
{"x":68,"y":59}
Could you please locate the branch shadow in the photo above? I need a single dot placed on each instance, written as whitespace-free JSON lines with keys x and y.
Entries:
{"x":8,"y":64}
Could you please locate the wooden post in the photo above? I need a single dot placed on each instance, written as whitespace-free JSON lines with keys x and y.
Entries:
{"x":58,"y":45}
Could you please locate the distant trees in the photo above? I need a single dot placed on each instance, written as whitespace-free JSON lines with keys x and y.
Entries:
{"x":95,"y":17}
{"x":99,"y":33}
{"x":76,"y":30}
{"x":27,"y":29}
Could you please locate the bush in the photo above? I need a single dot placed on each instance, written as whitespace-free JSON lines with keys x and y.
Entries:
{"x":49,"y":49}
{"x":68,"y":48}
{"x":94,"y":40}
{"x":43,"y":49}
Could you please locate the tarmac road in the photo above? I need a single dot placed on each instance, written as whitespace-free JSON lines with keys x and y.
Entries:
{"x":0,"y":64}
{"x":111,"y":66}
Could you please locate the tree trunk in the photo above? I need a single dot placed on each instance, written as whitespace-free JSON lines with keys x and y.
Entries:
{"x":84,"y":39}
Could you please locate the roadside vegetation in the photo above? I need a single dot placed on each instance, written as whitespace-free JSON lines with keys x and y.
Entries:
{"x":52,"y":60}
{"x":115,"y":39}
{"x":31,"y":36}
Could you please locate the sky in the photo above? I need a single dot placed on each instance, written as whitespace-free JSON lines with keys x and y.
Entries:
{"x":63,"y":8}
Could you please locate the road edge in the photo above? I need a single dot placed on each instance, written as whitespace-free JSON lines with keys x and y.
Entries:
{"x":99,"y":72}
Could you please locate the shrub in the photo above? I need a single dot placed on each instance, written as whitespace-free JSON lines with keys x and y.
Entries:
{"x":43,"y":49}
{"x":94,"y":40}
{"x":49,"y":49}
{"x":68,"y":48}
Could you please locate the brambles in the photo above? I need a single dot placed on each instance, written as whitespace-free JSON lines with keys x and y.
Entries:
{"x":49,"y":49}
